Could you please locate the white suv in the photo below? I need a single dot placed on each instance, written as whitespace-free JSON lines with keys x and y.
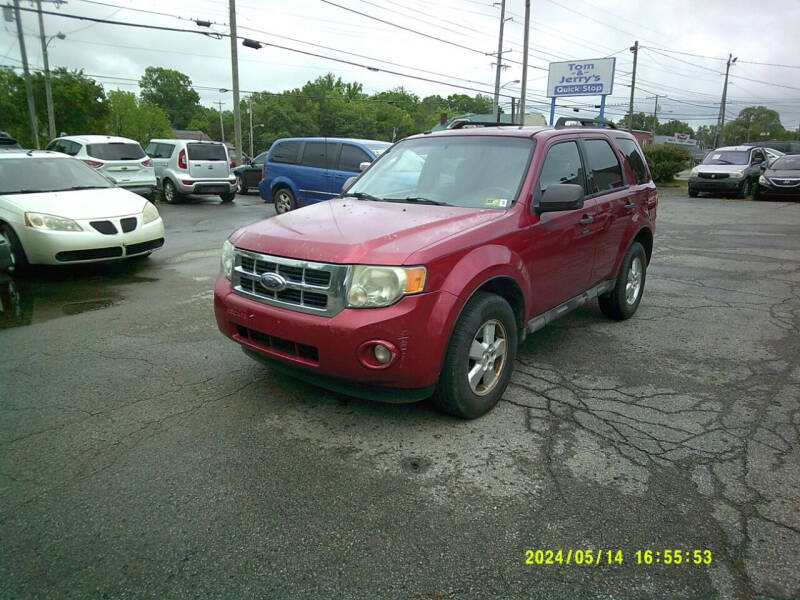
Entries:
{"x":120,"y":160}
{"x":192,"y":167}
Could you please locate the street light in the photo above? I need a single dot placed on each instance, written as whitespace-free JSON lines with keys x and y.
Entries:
{"x":512,"y":99}
{"x":48,"y":90}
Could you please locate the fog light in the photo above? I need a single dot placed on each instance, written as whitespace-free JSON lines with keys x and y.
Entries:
{"x":382,"y":353}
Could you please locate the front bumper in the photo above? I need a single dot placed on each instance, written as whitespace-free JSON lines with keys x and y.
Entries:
{"x":61,"y":247}
{"x":328,"y":347}
{"x":206,"y":186}
{"x":784,"y":191}
{"x":727,"y":185}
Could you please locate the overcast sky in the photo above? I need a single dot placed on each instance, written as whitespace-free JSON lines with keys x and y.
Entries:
{"x":755,"y":32}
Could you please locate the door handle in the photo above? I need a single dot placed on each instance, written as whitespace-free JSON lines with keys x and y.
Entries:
{"x":630,"y":206}
{"x":586,"y":220}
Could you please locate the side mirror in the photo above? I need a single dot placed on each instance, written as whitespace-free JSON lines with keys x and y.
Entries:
{"x":362,"y":166}
{"x":348,"y":182}
{"x":560,"y":196}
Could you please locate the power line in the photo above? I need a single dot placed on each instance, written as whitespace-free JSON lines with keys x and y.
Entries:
{"x":151,"y":12}
{"x":749,"y":62}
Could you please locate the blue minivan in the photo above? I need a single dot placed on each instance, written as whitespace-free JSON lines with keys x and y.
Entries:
{"x":302,"y":171}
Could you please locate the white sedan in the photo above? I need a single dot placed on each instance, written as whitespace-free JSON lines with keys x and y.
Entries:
{"x":54,"y":210}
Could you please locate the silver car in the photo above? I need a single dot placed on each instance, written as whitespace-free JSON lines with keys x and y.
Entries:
{"x":192,"y":167}
{"x":120,"y":160}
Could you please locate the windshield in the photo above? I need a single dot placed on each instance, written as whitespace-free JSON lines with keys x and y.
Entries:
{"x":476,"y":171}
{"x":30,"y":175}
{"x":727,"y":157}
{"x":786,"y":163}
{"x":115,"y":151}
{"x":378,"y":149}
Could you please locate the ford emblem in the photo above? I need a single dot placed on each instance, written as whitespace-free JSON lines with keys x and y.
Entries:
{"x":273,"y":282}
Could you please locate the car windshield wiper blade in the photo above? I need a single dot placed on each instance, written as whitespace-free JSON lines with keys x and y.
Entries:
{"x":418,"y":200}
{"x":79,"y":187}
{"x":25,"y":192}
{"x":362,"y":196}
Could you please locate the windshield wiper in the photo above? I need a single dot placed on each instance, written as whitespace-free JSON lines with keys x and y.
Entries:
{"x":26,"y":192}
{"x":79,"y":187}
{"x":418,"y":200}
{"x":722,"y":161}
{"x":362,"y":196}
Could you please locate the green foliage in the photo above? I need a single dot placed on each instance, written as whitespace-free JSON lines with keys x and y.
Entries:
{"x":172,"y":91}
{"x":666,"y":160}
{"x":136,"y":119}
{"x":674,"y":126}
{"x":754,"y":123}
{"x":641,"y":121}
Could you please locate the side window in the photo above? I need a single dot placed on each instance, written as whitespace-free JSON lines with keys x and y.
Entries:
{"x":53,"y":146}
{"x":165,"y":150}
{"x":351,"y":157}
{"x":314,"y":155}
{"x":638,"y":164}
{"x":603,"y":167}
{"x":285,"y":152}
{"x":562,"y":165}
{"x":758,"y":157}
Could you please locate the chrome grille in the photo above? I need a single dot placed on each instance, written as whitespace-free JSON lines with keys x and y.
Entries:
{"x":311,"y":287}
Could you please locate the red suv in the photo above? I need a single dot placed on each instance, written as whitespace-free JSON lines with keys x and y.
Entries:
{"x":422,"y":279}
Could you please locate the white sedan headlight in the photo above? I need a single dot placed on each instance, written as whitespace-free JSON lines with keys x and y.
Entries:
{"x":227,"y":259}
{"x":51,"y":222}
{"x":736,"y":174}
{"x":372,"y":287}
{"x":694,"y":172}
{"x":149,"y":214}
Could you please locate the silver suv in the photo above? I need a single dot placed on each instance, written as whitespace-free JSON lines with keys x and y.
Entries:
{"x":120,"y":160}
{"x":192,"y":167}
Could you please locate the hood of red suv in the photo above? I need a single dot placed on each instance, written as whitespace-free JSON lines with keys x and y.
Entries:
{"x":359,"y":231}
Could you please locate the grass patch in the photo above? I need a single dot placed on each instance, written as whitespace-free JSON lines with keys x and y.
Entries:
{"x":675,"y":184}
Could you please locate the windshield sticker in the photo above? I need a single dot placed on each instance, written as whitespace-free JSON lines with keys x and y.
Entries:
{"x":716,"y":156}
{"x":497,"y":202}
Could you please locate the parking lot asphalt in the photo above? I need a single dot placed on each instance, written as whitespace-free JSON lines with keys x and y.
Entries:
{"x":142,"y":455}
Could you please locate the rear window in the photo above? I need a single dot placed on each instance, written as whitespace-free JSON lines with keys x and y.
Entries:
{"x":638,"y":164}
{"x":115,"y":151}
{"x":285,"y":152}
{"x":603,"y":167}
{"x":206,"y":152}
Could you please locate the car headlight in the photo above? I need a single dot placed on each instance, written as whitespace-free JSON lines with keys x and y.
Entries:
{"x":694,"y":172}
{"x":371,"y":287}
{"x":762,"y":179}
{"x":227,"y":259}
{"x":736,"y":174}
{"x":149,"y":214}
{"x":51,"y":222}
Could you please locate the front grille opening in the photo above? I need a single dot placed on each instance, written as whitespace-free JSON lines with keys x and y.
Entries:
{"x":291,"y":273}
{"x":128,"y":224}
{"x":104,"y":227}
{"x":291,"y":296}
{"x":264,"y":267}
{"x":279,"y":344}
{"x":315,"y":300}
{"x":248,"y":264}
{"x":92,"y":254}
{"x":320,"y":278}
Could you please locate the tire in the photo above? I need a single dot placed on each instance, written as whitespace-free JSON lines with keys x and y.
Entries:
{"x":456,"y":394}
{"x":284,"y":200}
{"x":241,"y":185}
{"x":693,"y":193}
{"x":171,"y":194}
{"x":19,"y":262}
{"x":227,"y":197}
{"x":744,"y":191}
{"x":621,"y":302}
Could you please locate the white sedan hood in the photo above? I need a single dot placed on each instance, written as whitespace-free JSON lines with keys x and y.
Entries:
{"x":720,"y":168}
{"x":79,"y":205}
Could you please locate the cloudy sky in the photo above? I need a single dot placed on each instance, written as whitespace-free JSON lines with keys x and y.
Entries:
{"x":684,"y":46}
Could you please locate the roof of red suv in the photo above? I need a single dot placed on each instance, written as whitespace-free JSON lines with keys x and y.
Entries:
{"x":522,"y":131}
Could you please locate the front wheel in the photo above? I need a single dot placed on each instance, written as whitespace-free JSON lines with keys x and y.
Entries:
{"x":479,"y":359}
{"x":621,"y":302}
{"x":19,"y":262}
{"x":744,"y":191}
{"x":284,"y":201}
{"x":227,"y":197}
{"x":693,"y":193}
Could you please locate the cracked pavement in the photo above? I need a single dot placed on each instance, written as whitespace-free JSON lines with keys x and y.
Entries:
{"x":142,"y":455}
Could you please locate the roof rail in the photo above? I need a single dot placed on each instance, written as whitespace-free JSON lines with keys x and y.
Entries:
{"x":562,"y":122}
{"x":465,"y":123}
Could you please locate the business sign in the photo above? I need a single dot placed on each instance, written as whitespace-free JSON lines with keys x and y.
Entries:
{"x":593,"y":77}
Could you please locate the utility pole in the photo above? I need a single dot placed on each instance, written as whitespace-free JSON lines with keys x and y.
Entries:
{"x":237,"y":117}
{"x":221,"y":125}
{"x":250,"y":97}
{"x":51,"y":120}
{"x":655,"y":118}
{"x":495,"y":103}
{"x":635,"y":50}
{"x":513,"y":115}
{"x":721,"y":123}
{"x":28,"y":86}
{"x":525,"y":63}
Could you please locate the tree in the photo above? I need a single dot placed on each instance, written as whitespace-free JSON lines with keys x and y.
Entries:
{"x":641,"y":121}
{"x":133,"y":118}
{"x":672,"y":127}
{"x":172,"y":91}
{"x":752,"y":124}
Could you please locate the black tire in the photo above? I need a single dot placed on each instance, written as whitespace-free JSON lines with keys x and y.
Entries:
{"x":171,"y":193}
{"x":241,"y":184}
{"x":19,"y":261}
{"x":227,"y":197}
{"x":757,"y":193}
{"x":744,"y":191}
{"x":693,"y":193}
{"x":615,"y":304}
{"x":454,"y":393}
{"x":284,"y":200}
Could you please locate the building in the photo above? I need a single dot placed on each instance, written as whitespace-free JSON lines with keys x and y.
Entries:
{"x":187,"y":134}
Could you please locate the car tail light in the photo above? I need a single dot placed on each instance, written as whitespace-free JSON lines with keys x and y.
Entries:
{"x":92,"y":163}
{"x":187,"y":182}
{"x":147,"y":163}
{"x":182,"y":159}
{"x":233,"y":164}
